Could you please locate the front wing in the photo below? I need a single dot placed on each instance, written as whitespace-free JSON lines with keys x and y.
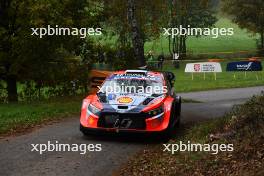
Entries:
{"x":127,"y":122}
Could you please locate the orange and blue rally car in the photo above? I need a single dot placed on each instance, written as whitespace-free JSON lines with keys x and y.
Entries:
{"x":133,"y":101}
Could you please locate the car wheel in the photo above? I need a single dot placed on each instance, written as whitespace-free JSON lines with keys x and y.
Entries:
{"x":178,"y":123}
{"x":178,"y":111}
{"x":178,"y":106}
{"x":84,"y":132}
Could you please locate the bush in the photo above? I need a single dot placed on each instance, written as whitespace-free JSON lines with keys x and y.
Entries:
{"x":248,"y":119}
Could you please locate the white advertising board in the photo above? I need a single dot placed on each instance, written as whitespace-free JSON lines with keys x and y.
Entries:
{"x":203,"y":67}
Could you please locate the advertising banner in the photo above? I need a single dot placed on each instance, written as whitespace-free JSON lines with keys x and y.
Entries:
{"x":244,"y":66}
{"x":203,"y":67}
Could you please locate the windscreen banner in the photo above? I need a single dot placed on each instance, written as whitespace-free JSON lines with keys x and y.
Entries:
{"x":97,"y":77}
{"x":203,"y":67}
{"x":244,"y":66}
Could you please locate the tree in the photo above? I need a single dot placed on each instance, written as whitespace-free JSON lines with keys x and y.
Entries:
{"x":248,"y":15}
{"x":136,"y":35}
{"x":134,"y":23}
{"x":25,"y":57}
{"x":11,"y":28}
{"x":194,"y":13}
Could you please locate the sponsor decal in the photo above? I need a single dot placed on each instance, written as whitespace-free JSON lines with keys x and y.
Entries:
{"x":111,"y":96}
{"x":125,"y":100}
{"x":246,"y":66}
{"x":134,"y":76}
{"x":197,"y":67}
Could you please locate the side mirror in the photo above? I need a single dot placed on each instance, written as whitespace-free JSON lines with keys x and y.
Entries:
{"x":172,"y":83}
{"x":171,"y":78}
{"x":101,"y":96}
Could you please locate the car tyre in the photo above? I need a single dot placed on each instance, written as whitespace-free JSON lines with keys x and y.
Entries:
{"x":84,"y":132}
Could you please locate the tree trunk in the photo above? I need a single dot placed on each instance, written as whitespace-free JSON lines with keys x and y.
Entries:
{"x":170,"y":50}
{"x":12,"y":88}
{"x":177,"y":45}
{"x":137,"y":40}
{"x":262,"y":40}
{"x":174,"y":45}
{"x":181,"y":46}
{"x":184,"y":49}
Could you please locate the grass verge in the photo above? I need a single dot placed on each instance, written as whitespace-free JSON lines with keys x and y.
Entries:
{"x":22,"y":116}
{"x":243,"y":127}
{"x":200,"y":82}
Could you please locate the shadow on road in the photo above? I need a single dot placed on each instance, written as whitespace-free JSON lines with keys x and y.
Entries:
{"x":124,"y":138}
{"x":137,"y":138}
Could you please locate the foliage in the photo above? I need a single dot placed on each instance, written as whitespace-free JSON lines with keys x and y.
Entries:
{"x":243,"y":128}
{"x":248,"y":15}
{"x":198,"y":14}
{"x":248,"y":119}
{"x":134,"y":23}
{"x":24,"y":57}
{"x":150,"y":18}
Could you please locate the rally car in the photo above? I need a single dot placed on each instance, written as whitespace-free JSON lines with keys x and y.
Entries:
{"x":127,"y":102}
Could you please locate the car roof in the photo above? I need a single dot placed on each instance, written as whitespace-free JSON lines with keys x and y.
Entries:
{"x":141,"y":72}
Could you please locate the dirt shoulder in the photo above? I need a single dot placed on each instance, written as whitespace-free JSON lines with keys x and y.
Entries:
{"x":243,"y":128}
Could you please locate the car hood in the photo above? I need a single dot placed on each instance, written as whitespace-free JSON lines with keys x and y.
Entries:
{"x":127,"y":99}
{"x":127,"y":102}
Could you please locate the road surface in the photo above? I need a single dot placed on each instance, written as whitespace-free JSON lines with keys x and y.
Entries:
{"x":16,"y":157}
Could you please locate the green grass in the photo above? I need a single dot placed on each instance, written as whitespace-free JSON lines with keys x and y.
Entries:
{"x":240,"y":41}
{"x":184,"y":82}
{"x":200,"y":131}
{"x":17,"y":117}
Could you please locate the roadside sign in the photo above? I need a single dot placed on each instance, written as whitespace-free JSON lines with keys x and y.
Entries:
{"x":203,"y":67}
{"x":244,"y":66}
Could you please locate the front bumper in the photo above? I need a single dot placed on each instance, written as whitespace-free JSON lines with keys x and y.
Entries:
{"x":129,"y":122}
{"x":87,"y":130}
{"x":141,"y":125}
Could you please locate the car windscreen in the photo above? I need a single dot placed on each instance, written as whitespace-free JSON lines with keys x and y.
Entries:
{"x":133,"y":84}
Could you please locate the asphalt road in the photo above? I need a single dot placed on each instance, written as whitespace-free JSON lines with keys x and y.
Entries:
{"x":16,"y":157}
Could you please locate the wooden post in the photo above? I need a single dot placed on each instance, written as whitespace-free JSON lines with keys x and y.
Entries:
{"x":215,"y":75}
{"x":204,"y":76}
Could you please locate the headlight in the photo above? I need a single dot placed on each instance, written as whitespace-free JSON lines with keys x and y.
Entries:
{"x":156,"y":111}
{"x":94,"y":110}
